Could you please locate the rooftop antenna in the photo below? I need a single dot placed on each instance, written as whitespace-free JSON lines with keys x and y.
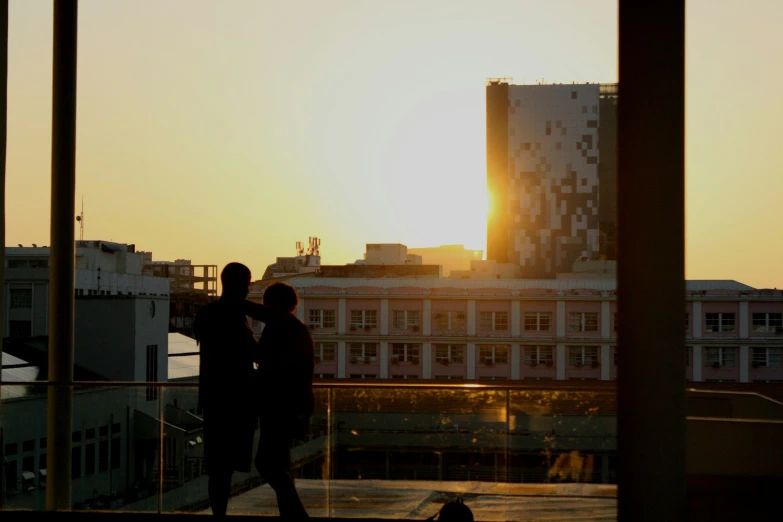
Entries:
{"x":299,"y":248}
{"x":313,"y":249}
{"x":80,"y":219}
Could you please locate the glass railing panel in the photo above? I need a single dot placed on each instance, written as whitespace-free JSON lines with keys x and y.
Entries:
{"x":402,"y":452}
{"x":562,"y":436}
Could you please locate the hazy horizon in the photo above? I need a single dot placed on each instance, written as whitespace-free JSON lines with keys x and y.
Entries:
{"x":228,"y":132}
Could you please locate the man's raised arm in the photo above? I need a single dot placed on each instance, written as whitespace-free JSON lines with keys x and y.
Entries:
{"x":257,"y":311}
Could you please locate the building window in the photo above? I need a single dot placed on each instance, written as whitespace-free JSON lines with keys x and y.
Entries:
{"x":720,"y":322}
{"x":493,"y":321}
{"x":580,"y":356}
{"x":405,"y":320}
{"x":768,"y":322}
{"x":614,"y":322}
{"x":688,"y":355}
{"x":492,"y":378}
{"x":583,"y":321}
{"x":687,"y":322}
{"x":116,"y":455}
{"x":20,"y":328}
{"x":321,"y":318}
{"x":449,"y":377}
{"x":720,"y":357}
{"x":538,"y":321}
{"x":363,"y":352}
{"x":450,"y":320}
{"x":535,"y":355}
{"x":21,"y":298}
{"x":404,"y":377}
{"x":152,"y":371}
{"x":325,"y":351}
{"x":491,"y":354}
{"x":405,"y":352}
{"x":767,"y":357}
{"x":76,"y":462}
{"x":450,"y":353}
{"x":89,"y":460}
{"x":324,"y":376}
{"x":364,"y":319}
{"x":103,"y":455}
{"x":363,"y":376}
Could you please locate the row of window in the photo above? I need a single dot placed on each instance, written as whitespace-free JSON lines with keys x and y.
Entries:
{"x":579,"y":356}
{"x":763,"y":322}
{"x":722,"y":356}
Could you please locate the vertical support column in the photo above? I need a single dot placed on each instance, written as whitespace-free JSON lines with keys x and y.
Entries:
{"x":744,"y":362}
{"x":471,"y":360}
{"x":606,"y":331}
{"x":384,"y":355}
{"x":744,"y":320}
{"x":651,"y":289}
{"x":697,"y":363}
{"x":606,"y":362}
{"x":341,"y":360}
{"x":471,"y":317}
{"x":515,"y":362}
{"x":62,"y":261}
{"x":300,"y":310}
{"x":697,"y":320}
{"x":342,"y":320}
{"x":426,"y":360}
{"x":384,"y":316}
{"x":560,"y":319}
{"x":426,"y":321}
{"x":516,"y":326}
{"x":560,"y":362}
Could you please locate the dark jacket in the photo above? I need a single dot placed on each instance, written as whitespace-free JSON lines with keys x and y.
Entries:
{"x":285,"y":377}
{"x":226,"y":347}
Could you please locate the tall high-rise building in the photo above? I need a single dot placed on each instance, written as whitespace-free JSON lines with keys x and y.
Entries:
{"x":551,"y":175}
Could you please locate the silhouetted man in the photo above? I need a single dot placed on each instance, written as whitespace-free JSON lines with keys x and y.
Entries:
{"x":226,"y":376}
{"x":285,"y":387}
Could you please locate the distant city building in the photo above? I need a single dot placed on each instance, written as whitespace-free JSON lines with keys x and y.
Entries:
{"x":482,"y":269}
{"x":450,"y":257}
{"x":551,"y":175}
{"x":192,"y":286}
{"x":305,"y":262}
{"x":522,"y":329}
{"x":121,"y":315}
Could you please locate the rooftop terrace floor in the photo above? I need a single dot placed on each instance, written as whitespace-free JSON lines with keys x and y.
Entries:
{"x":417,"y":500}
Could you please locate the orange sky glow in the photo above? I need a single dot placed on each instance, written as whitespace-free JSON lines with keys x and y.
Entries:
{"x":222,"y":131}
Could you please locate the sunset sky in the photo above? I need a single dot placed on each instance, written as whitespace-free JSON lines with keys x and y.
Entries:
{"x":222,"y":131}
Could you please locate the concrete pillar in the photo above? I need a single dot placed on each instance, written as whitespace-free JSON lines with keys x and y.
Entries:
{"x":342,"y":320}
{"x":560,"y":362}
{"x":515,"y":362}
{"x":516,"y":326}
{"x":744,"y":359}
{"x":560,"y":319}
{"x":384,"y":316}
{"x":426,"y":320}
{"x":744,"y":320}
{"x":426,"y":360}
{"x":470,"y":359}
{"x":606,"y":362}
{"x":697,"y":364}
{"x":341,"y":359}
{"x":606,"y":331}
{"x":384,"y":355}
{"x":471,"y":317}
{"x":696,"y":320}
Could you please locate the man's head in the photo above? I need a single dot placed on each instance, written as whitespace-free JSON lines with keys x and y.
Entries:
{"x":235,"y":279}
{"x":281,"y":297}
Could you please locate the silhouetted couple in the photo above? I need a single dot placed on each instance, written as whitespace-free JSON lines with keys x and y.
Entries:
{"x":236,"y":397}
